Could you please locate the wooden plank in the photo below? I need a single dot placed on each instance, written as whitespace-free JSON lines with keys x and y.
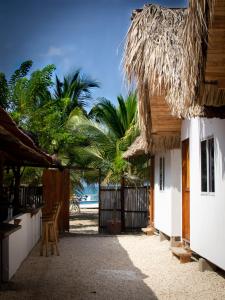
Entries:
{"x":122,"y":203}
{"x":65,"y":198}
{"x":161,"y":116}
{"x":152,"y":183}
{"x":183,"y":254}
{"x":56,"y":188}
{"x":215,"y":65}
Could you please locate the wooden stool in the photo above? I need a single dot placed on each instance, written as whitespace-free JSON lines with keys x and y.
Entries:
{"x":49,"y":231}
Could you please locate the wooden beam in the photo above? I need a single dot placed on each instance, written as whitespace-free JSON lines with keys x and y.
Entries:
{"x":166,"y":133}
{"x":152,"y":182}
{"x":2,"y":158}
{"x":221,"y":84}
{"x":214,"y":112}
{"x":122,"y":203}
{"x":17,"y":177}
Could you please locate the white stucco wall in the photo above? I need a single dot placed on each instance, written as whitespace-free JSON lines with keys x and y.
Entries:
{"x":207,"y":211}
{"x":167,"y":208}
{"x":21,"y":242}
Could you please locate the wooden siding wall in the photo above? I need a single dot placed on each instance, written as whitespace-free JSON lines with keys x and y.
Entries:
{"x":215,"y":66}
{"x":56,"y":188}
{"x":162,"y":121}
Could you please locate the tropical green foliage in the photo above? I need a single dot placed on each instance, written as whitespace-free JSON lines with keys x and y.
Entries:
{"x":54,"y":111}
{"x":108,"y":131}
{"x":42,"y":107}
{"x":3,"y":91}
{"x":74,"y":91}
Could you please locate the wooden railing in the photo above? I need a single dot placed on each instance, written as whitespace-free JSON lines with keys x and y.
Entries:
{"x":29,"y":196}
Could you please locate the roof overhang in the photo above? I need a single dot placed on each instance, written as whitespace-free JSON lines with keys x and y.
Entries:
{"x":18,"y":147}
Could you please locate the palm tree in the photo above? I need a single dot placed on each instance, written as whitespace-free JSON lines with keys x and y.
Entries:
{"x":74,"y":91}
{"x":107,"y":132}
{"x":117,"y":119}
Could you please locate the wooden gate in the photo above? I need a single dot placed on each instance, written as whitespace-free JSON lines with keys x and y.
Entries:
{"x":130,"y":205}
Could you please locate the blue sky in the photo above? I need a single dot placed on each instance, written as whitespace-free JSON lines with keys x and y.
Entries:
{"x":71,"y":34}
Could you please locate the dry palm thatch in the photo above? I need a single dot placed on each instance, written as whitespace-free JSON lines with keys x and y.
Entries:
{"x":165,"y":50}
{"x":158,"y":144}
{"x":154,"y":53}
{"x":137,"y":148}
{"x":151,"y":57}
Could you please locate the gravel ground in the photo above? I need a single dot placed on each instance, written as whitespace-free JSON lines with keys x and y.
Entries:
{"x":112,"y":267}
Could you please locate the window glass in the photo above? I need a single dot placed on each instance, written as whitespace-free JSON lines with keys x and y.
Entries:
{"x":207,"y":166}
{"x":211,"y":165}
{"x":203,"y":166}
{"x":161,"y":173}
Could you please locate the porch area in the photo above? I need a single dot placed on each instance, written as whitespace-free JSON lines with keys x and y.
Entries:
{"x":112,"y":267}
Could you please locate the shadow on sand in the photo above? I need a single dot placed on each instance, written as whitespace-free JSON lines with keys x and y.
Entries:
{"x":89,"y":267}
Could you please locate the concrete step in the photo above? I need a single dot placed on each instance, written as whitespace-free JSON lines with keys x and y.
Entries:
{"x":148,"y":230}
{"x":183,"y":254}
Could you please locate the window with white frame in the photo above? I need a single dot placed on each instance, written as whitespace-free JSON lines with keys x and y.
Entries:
{"x":161,"y":173}
{"x":207,"y":166}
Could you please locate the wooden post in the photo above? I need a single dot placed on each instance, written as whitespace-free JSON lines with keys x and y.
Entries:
{"x":122,"y":204}
{"x":99,"y":198}
{"x":151,"y":194}
{"x":17,"y":177}
{"x":1,"y":171}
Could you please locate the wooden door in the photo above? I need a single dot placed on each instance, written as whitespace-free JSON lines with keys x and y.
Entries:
{"x":151,"y":194}
{"x":185,"y":191}
{"x":56,"y":188}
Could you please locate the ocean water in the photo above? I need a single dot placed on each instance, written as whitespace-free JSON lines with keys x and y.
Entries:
{"x":88,"y":202}
{"x":92,"y":191}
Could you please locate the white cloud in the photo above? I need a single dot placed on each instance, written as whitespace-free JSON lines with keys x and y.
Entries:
{"x":62,"y":57}
{"x":55,"y":51}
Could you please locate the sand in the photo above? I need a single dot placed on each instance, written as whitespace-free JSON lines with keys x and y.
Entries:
{"x":112,"y":267}
{"x":85,"y":222}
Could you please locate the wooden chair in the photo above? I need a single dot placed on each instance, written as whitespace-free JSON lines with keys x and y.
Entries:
{"x":50,"y":230}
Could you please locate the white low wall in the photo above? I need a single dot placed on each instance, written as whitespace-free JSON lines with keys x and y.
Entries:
{"x":207,"y":211}
{"x":21,"y":242}
{"x":167,"y":206}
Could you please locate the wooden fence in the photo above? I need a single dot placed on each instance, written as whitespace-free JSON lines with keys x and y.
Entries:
{"x":130,"y":205}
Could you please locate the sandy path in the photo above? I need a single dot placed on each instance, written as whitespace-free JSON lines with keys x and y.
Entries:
{"x":85,"y":222}
{"x":123,"y":267}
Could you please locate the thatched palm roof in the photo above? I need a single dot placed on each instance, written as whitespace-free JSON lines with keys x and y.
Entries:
{"x":168,"y":51}
{"x":158,"y":144}
{"x":137,"y":148}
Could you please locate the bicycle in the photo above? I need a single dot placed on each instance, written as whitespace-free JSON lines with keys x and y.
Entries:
{"x":74,"y":205}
